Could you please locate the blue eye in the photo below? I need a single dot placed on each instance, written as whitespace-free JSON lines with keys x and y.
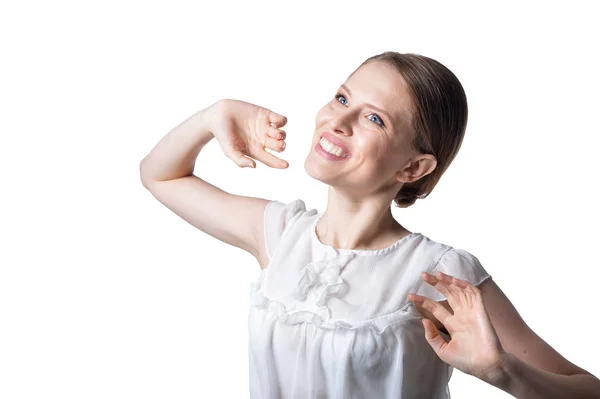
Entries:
{"x":337,"y":97}
{"x":380,"y":121}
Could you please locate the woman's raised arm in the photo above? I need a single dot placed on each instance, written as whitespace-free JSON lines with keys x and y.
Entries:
{"x":241,"y":130}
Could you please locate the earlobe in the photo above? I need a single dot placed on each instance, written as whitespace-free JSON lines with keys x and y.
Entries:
{"x":401,"y":176}
{"x":409,"y":174}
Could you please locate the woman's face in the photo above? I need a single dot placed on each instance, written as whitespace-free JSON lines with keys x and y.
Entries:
{"x":370,"y":118}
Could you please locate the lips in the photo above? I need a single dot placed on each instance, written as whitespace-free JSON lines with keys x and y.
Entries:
{"x":330,"y":137}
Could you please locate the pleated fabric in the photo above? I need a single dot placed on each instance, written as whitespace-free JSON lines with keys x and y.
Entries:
{"x":336,"y":323}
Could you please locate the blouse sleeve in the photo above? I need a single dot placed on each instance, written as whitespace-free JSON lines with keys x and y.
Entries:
{"x":277,"y":217}
{"x":456,"y":263}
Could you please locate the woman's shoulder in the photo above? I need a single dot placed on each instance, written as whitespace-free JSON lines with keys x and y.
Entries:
{"x":423,"y":246}
{"x":446,"y":252}
{"x":453,"y":261}
{"x":280,"y":217}
{"x":276,"y":208}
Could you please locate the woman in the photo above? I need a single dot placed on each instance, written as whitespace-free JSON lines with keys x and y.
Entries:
{"x":349,"y":303}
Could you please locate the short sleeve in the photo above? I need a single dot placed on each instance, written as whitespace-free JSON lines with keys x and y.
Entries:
{"x":456,"y":263}
{"x":277,"y":217}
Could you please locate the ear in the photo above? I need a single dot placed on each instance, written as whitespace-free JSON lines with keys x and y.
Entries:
{"x":417,"y":167}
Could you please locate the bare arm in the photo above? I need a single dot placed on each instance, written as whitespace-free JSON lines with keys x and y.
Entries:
{"x":167,"y":172}
{"x":175,"y":154}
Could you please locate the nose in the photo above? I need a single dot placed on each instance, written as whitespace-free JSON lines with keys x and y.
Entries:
{"x":341,"y":123}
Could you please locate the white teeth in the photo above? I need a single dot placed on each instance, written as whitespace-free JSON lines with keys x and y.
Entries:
{"x":331,"y":148}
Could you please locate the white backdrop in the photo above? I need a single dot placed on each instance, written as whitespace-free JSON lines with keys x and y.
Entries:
{"x":106,"y":293}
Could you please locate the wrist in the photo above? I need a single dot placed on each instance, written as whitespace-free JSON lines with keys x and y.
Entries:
{"x":498,"y":374}
{"x":210,"y":116}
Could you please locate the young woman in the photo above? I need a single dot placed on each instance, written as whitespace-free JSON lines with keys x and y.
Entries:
{"x":349,"y":303}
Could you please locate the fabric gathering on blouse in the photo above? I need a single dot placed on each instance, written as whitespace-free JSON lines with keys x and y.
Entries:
{"x":336,"y":323}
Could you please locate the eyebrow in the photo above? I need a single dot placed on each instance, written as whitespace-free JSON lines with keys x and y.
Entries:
{"x":370,"y":105}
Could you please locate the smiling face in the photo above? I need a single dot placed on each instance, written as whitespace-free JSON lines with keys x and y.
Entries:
{"x":370,"y":119}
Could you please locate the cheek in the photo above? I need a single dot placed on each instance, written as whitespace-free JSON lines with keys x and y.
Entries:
{"x":323,"y":115}
{"x":378,"y":157}
{"x":376,"y":148}
{"x":384,"y":152}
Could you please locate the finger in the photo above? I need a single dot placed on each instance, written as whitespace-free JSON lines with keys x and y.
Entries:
{"x":424,"y":312}
{"x":432,"y":336}
{"x":438,"y":310}
{"x":441,"y":286}
{"x":428,"y":315}
{"x":269,"y":159}
{"x":448,"y":280}
{"x":460,"y":294}
{"x":460,"y":283}
{"x":451,"y":279}
{"x":466,"y":285}
{"x":277,"y":134}
{"x":277,"y":120}
{"x":472,"y":293}
{"x":468,"y":289}
{"x":273,"y":144}
{"x":240,"y":159}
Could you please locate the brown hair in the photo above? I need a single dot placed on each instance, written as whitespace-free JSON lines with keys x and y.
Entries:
{"x":439,"y":116}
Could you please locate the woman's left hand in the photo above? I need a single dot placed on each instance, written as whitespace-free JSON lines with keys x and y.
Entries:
{"x":474,"y":347}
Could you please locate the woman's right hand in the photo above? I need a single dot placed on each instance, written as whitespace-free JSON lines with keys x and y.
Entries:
{"x":242,"y":129}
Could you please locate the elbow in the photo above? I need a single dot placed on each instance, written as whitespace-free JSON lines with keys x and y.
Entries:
{"x":144,"y":175}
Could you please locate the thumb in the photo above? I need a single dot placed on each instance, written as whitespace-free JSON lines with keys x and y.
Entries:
{"x":277,"y":120}
{"x":239,"y":158}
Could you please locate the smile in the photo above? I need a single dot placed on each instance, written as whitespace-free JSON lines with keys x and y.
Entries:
{"x":331,"y":148}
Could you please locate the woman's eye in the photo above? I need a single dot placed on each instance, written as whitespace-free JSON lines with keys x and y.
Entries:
{"x":378,"y":118}
{"x":338,"y":96}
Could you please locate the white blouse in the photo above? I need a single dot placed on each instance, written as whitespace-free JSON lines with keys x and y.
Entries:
{"x":337,"y":323}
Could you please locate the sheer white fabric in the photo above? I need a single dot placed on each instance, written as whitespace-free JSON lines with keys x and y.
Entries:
{"x":336,"y":323}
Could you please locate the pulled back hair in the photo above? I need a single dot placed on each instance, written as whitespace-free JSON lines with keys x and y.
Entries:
{"x":439,"y":117}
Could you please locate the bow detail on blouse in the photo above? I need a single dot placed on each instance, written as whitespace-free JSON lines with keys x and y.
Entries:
{"x":322,"y":276}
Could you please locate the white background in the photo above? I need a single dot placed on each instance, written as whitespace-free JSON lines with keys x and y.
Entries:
{"x":106,"y":293}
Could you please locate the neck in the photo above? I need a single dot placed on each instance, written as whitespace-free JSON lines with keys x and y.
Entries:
{"x":366,"y":223}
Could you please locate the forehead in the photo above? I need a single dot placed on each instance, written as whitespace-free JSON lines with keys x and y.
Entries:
{"x":380,"y":84}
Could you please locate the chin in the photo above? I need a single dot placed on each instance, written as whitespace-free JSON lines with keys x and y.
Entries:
{"x":319,"y":171}
{"x":309,"y":167}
